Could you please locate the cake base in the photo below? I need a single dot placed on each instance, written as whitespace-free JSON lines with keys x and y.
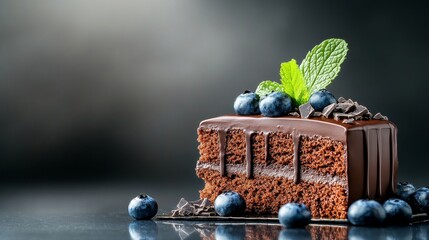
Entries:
{"x":324,"y":201}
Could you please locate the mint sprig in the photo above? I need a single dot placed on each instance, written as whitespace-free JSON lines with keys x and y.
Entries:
{"x":318,"y":69}
{"x":322,"y":63}
{"x":293,"y":82}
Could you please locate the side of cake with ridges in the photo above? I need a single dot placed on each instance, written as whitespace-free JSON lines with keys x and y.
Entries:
{"x":321,"y":162}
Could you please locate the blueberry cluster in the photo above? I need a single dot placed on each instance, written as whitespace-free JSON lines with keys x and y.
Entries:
{"x":394,"y":211}
{"x":417,"y":198}
{"x":278,"y":104}
{"x":365,"y":212}
{"x":274,"y":105}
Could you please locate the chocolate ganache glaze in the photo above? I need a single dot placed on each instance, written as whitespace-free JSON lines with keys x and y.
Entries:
{"x":371,"y":148}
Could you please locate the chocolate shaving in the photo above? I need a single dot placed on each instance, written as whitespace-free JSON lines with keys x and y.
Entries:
{"x":328,"y":110}
{"x":378,"y":116}
{"x":201,"y":207}
{"x":317,"y":114}
{"x":349,"y":101}
{"x":341,"y":99}
{"x":346,"y":107}
{"x":349,"y":121}
{"x":306,"y":110}
{"x":367,"y":116}
{"x":360,"y":111}
{"x":339,"y":116}
{"x":294,"y":114}
{"x":347,"y":111}
{"x":350,"y":111}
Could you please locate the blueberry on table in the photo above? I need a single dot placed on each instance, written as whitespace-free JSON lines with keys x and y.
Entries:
{"x":320,"y":99}
{"x":404,"y":190}
{"x":275,"y":104}
{"x":419,"y":200}
{"x":294,"y":215}
{"x":247,"y":103}
{"x":398,"y":212}
{"x":229,"y":204}
{"x":142,"y":207}
{"x":366,"y":213}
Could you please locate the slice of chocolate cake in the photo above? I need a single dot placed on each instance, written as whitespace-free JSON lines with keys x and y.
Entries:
{"x":323,"y":163}
{"x":326,"y":156}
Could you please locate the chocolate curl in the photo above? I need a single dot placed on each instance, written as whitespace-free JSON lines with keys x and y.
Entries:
{"x":201,"y":207}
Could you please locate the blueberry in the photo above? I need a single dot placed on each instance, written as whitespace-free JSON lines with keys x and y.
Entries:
{"x":142,"y":207}
{"x":294,"y":215}
{"x":275,"y":104}
{"x":247,"y":103}
{"x":229,"y":204}
{"x":419,"y":200}
{"x":320,"y":99}
{"x":366,"y":213}
{"x":398,"y":211}
{"x":404,"y":190}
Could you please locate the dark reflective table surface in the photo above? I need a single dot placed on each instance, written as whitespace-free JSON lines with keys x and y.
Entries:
{"x":260,"y":230}
{"x":100,"y":212}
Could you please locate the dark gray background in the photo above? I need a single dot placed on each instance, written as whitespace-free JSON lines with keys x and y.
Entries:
{"x":95,"y":91}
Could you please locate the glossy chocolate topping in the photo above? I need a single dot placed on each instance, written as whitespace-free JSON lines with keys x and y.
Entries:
{"x":371,"y":147}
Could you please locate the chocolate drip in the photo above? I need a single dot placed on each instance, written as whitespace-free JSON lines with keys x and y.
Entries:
{"x":386,"y":166}
{"x":296,"y":167}
{"x":266,"y":134}
{"x":371,"y":161}
{"x":393,"y":157}
{"x":222,"y":148}
{"x":379,"y":163}
{"x":249,"y":168}
{"x":367,"y":157}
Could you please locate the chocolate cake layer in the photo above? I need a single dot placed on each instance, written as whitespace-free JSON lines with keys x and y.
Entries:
{"x":361,"y":157}
{"x":265,"y":195}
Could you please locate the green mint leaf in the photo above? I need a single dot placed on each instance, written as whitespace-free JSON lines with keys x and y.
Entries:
{"x":293,"y":82}
{"x":267,"y":87}
{"x":322,"y":63}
